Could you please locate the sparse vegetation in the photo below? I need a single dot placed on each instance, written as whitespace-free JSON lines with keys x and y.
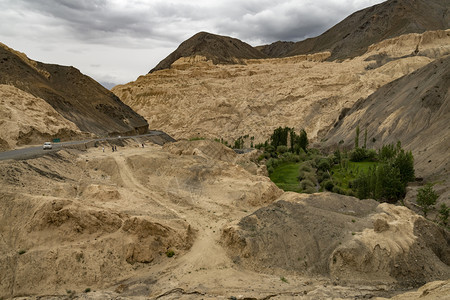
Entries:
{"x":22,"y":252}
{"x":284,"y":279}
{"x":362,"y":172}
{"x":170,"y":253}
{"x":87,"y":290}
{"x":444,"y":212}
{"x":426,"y":198}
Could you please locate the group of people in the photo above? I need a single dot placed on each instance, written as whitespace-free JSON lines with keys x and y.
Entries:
{"x":114,"y":148}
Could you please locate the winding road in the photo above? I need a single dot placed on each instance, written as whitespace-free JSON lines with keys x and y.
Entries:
{"x":36,"y":151}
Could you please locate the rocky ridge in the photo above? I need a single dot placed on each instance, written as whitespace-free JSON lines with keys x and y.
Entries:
{"x":352,"y":36}
{"x":75,"y":97}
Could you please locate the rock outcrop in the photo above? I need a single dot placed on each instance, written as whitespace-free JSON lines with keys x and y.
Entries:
{"x":350,"y":240}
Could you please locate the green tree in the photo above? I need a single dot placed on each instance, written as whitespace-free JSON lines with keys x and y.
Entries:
{"x":279,"y":137}
{"x":389,"y":187}
{"x":444,"y":212}
{"x":365,"y":139}
{"x":302,"y":140}
{"x":357,"y":137}
{"x":404,"y":161}
{"x":426,"y":198}
{"x":292,"y":137}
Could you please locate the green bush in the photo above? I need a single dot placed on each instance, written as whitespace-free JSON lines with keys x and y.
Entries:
{"x":358,"y":154}
{"x":282,"y":149}
{"x":170,"y":253}
{"x":338,"y":190}
{"x":328,"y":185}
{"x":310,"y":190}
{"x":324,"y":164}
{"x":306,"y":183}
{"x":444,"y":212}
{"x":426,"y":198}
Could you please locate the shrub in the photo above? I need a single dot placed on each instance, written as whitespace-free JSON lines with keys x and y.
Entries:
{"x":328,"y":185}
{"x":444,"y":212}
{"x":324,"y":164}
{"x":305,"y":167}
{"x":306,"y":183}
{"x":282,"y":149}
{"x":358,"y":154}
{"x":311,"y":177}
{"x":310,"y":190}
{"x":338,"y":190}
{"x":324,"y":176}
{"x":170,"y":253}
{"x":426,"y":198}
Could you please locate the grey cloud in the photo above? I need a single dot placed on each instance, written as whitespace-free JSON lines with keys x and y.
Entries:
{"x":76,"y":30}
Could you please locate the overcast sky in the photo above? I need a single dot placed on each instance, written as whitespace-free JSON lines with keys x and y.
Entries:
{"x":115,"y":41}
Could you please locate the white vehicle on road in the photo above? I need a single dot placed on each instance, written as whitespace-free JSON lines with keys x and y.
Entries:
{"x":47,"y":145}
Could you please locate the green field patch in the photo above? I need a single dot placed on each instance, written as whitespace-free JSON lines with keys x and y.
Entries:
{"x":285,"y":176}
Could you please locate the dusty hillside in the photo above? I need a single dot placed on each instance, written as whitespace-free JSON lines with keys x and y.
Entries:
{"x":352,"y":36}
{"x":26,"y":119}
{"x":414,"y":109}
{"x":350,"y":240}
{"x":196,"y":98}
{"x":219,"y":49}
{"x":75,"y":96}
{"x":106,"y":221}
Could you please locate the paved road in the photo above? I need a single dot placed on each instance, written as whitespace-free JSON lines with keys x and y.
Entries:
{"x":31,"y":152}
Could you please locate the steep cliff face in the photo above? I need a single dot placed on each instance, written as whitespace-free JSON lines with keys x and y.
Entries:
{"x":75,"y":96}
{"x":356,"y":33}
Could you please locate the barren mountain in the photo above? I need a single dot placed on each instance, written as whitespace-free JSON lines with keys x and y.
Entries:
{"x":219,"y":49}
{"x":352,"y":36}
{"x":184,"y":221}
{"x":25,"y":119}
{"x":197,"y":98}
{"x":76,"y":97}
{"x":414,"y":109}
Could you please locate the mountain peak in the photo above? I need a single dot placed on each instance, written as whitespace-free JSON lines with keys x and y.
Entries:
{"x":357,"y":32}
{"x":220,"y":49}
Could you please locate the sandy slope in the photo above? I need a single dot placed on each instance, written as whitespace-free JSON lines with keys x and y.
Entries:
{"x":25,"y":119}
{"x":196,"y":98}
{"x":104,"y":220}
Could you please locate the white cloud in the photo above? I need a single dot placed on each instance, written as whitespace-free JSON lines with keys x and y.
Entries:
{"x":128,"y":38}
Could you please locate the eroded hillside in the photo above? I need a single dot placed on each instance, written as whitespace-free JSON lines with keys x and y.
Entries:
{"x":196,"y":98}
{"x":192,"y":219}
{"x":26,"y":119}
{"x":75,"y":97}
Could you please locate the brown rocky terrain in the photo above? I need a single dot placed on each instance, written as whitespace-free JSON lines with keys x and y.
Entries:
{"x":219,"y":49}
{"x":352,"y":36}
{"x":106,"y":221}
{"x":75,"y":97}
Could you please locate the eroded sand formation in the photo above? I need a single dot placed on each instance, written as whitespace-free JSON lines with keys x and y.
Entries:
{"x":106,"y":221}
{"x":228,"y":101}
